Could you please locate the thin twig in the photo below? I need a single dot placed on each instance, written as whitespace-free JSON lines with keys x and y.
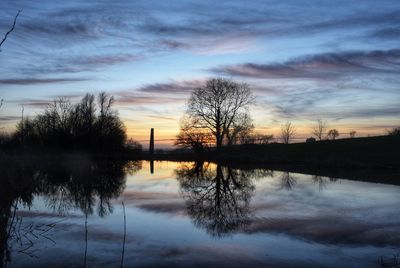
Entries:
{"x":9,"y":31}
{"x":123,"y":245}
{"x":86,"y":240}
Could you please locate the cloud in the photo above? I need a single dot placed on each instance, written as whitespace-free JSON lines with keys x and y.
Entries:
{"x":87,"y":22}
{"x":137,"y":98}
{"x":162,"y":117}
{"x":85,"y":63}
{"x":92,"y":62}
{"x":41,"y":103}
{"x":6,"y":118}
{"x":353,"y":20}
{"x":386,"y":33}
{"x":261,"y":19}
{"x":152,"y":94}
{"x":35,"y":104}
{"x":174,"y":87}
{"x":305,"y":107}
{"x":59,"y":28}
{"x":147,"y":29}
{"x":34,"y":81}
{"x":172,"y":44}
{"x":371,"y":112}
{"x":325,"y":65}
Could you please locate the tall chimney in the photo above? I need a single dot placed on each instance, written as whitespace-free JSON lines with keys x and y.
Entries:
{"x":151,"y":148}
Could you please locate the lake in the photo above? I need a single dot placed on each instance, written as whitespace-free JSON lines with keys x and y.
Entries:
{"x":170,"y":214}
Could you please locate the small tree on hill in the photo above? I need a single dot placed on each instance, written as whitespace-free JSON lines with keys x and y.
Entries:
{"x":319,"y":129}
{"x":394,"y":132}
{"x":287,"y":132}
{"x":333,"y":134}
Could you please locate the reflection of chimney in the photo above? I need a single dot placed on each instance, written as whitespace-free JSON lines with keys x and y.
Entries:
{"x":151,"y":166}
{"x":151,"y":149}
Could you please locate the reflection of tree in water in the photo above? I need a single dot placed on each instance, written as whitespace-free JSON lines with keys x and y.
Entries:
{"x":65,"y":185}
{"x":322,"y":181}
{"x":84,"y":185}
{"x":287,"y":180}
{"x":15,"y":188}
{"x":217,"y":197}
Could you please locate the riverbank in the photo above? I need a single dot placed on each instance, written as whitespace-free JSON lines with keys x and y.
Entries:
{"x":375,"y":159}
{"x":382,"y":152}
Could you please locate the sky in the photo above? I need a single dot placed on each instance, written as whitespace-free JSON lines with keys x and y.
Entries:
{"x":303,"y":60}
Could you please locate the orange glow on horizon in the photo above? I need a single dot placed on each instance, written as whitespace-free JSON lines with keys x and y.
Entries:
{"x":165,"y":134}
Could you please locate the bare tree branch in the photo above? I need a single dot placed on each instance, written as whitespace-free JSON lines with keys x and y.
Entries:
{"x":218,"y":105}
{"x":287,"y":132}
{"x":11,"y":29}
{"x":320,"y":128}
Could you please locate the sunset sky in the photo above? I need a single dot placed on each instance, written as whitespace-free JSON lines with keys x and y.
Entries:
{"x":336,"y":60}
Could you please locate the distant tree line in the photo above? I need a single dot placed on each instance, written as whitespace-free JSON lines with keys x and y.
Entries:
{"x":218,"y":115}
{"x":90,"y":125}
{"x":394,"y":131}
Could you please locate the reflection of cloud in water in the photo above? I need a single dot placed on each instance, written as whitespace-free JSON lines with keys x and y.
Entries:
{"x":131,"y":196}
{"x":319,"y":210}
{"x":41,"y":214}
{"x":172,"y":208}
{"x":157,"y":202}
{"x":329,"y":230}
{"x":201,"y":256}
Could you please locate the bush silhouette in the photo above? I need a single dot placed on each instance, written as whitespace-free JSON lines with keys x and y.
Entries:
{"x":90,"y":125}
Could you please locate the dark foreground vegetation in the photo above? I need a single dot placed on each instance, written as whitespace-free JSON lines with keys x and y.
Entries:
{"x":65,"y":182}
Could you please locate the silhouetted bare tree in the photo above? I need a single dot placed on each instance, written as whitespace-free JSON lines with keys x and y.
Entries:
{"x":197,"y":139}
{"x":242,"y":125}
{"x":320,"y":128}
{"x":10,"y":30}
{"x":217,"y":105}
{"x":352,"y":133}
{"x":333,"y":134}
{"x":287,"y":132}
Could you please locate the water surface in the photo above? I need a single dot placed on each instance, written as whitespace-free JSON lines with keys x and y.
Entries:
{"x":109,"y":214}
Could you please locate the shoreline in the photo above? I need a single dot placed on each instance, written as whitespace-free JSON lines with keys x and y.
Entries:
{"x":375,"y":159}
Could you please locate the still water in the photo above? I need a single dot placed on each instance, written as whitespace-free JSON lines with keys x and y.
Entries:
{"x":192,"y":215}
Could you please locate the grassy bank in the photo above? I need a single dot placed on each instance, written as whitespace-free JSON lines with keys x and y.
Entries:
{"x":381,"y":152}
